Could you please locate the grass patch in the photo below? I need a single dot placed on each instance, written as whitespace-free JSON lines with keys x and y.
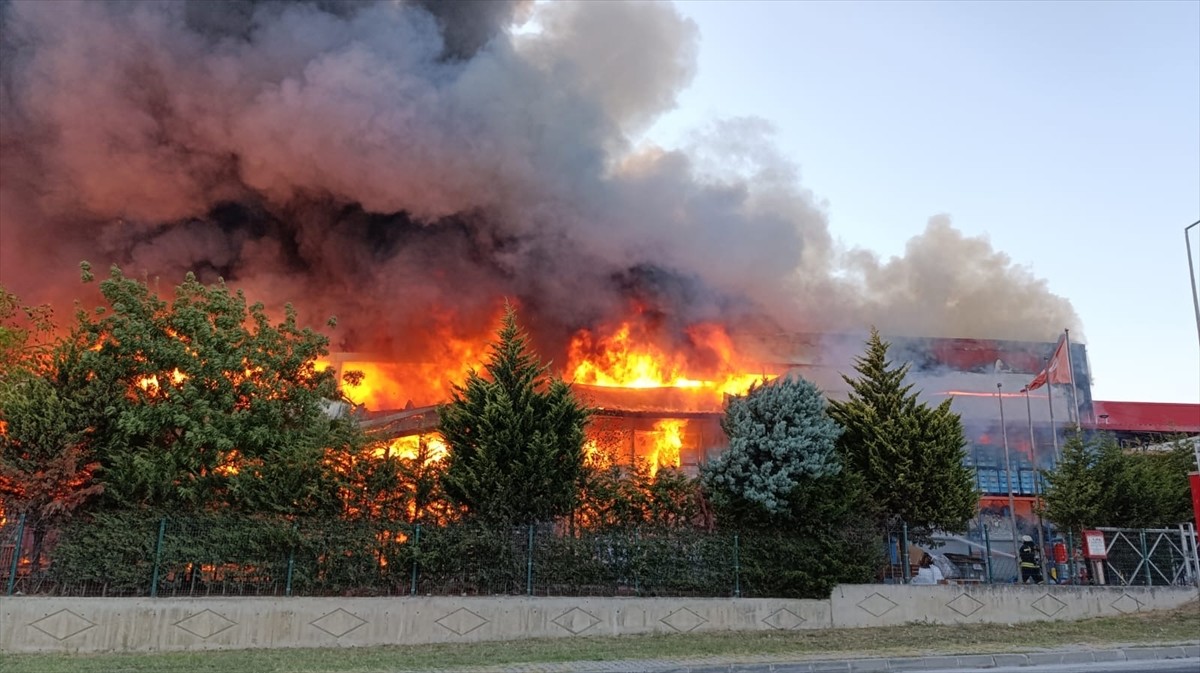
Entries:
{"x":1180,"y":625}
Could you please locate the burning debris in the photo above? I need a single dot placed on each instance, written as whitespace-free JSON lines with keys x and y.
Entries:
{"x":407,"y":166}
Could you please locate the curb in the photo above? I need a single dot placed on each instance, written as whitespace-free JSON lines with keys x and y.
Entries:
{"x":882,"y":665}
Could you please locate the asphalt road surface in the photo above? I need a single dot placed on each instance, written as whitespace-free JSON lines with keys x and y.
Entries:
{"x":1164,"y":666}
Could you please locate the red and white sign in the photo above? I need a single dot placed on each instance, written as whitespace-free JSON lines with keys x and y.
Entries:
{"x":1093,"y":545}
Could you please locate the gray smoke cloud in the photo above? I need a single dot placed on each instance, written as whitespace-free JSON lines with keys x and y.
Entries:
{"x":403,"y":165}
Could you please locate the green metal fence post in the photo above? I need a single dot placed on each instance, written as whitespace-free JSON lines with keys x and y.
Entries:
{"x":529,"y":564}
{"x":162,"y":531}
{"x":987,"y":550}
{"x":16,"y":559}
{"x":1071,"y":557}
{"x":412,"y":591}
{"x":287,"y":588}
{"x":904,"y":557}
{"x":636,"y":562}
{"x":737,"y":569}
{"x":1146,"y":560}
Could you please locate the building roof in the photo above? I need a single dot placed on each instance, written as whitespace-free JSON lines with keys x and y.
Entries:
{"x":1147,"y":416}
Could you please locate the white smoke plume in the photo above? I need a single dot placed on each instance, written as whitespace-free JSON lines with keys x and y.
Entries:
{"x":404,"y":164}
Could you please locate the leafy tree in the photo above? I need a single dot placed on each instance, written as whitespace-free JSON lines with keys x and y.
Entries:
{"x":25,"y":337}
{"x":201,"y":402}
{"x":779,"y":435}
{"x":515,"y":438}
{"x":45,"y":471}
{"x":1098,"y":483}
{"x":909,"y":455}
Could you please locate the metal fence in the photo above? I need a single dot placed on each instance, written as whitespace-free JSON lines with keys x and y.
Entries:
{"x":1151,"y":556}
{"x":137,"y":555}
{"x":140,"y":555}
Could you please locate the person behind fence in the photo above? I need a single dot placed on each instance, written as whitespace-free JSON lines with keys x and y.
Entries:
{"x":928,"y":572}
{"x":1031,"y":566}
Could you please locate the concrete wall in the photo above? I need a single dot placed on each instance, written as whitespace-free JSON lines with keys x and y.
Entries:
{"x":30,"y":624}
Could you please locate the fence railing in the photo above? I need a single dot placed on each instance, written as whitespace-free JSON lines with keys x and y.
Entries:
{"x":1151,"y":556}
{"x":138,"y":555}
{"x":142,"y":555}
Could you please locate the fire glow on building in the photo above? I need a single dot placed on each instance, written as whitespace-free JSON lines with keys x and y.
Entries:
{"x":654,"y":406}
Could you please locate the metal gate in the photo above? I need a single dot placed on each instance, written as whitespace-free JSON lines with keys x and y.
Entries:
{"x":1152,"y":556}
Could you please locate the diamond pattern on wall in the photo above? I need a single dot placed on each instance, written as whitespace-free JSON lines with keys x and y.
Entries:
{"x":1048,"y":605}
{"x":62,"y":624}
{"x":783,"y":619}
{"x":338,"y":623}
{"x":1126,"y":604}
{"x":877,"y":604}
{"x":461,"y":622}
{"x":205,"y":624}
{"x":683,"y":620}
{"x":576,"y":620}
{"x":965,"y":605}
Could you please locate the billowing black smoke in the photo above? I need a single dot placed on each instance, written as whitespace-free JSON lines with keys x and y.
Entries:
{"x":399,"y":163}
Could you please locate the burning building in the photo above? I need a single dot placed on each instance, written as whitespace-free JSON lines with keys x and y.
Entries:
{"x":409,"y":167}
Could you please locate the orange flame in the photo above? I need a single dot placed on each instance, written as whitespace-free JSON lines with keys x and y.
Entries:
{"x":394,"y":385}
{"x":666,"y":442}
{"x":630,"y":358}
{"x":230,"y":464}
{"x":410,"y":448}
{"x":151,"y":385}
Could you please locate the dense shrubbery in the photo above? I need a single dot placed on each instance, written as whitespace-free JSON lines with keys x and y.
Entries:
{"x":117,"y":554}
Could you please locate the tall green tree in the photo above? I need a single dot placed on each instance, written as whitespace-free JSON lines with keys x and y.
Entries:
{"x":46,"y":471}
{"x":909,"y":455}
{"x":1099,"y":483}
{"x":201,"y":402}
{"x":1072,"y":497}
{"x":515,"y":436}
{"x":783,"y":484}
{"x":779,"y":435}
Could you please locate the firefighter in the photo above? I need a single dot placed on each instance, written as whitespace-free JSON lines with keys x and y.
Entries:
{"x":1031,"y":564}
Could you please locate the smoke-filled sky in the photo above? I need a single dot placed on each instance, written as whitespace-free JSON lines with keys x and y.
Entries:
{"x":405,"y":165}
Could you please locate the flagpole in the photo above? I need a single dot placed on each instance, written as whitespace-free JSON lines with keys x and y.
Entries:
{"x":1050,"y":403}
{"x":1071,"y":369}
{"x":1012,"y":505}
{"x":1037,"y":490}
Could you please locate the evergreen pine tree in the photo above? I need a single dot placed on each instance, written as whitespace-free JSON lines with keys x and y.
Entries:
{"x":909,"y":455}
{"x":779,"y":435}
{"x":1099,"y":483}
{"x":1072,"y":495}
{"x":515,"y":438}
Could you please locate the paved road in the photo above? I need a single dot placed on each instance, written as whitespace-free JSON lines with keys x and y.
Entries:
{"x":1160,"y":659}
{"x":1170,"y":666}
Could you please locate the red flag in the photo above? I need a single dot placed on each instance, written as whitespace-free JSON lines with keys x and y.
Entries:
{"x":1058,"y":370}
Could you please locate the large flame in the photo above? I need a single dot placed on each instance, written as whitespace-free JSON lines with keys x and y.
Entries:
{"x":420,"y":379}
{"x":429,"y":449}
{"x":629,"y":357}
{"x":667,"y":441}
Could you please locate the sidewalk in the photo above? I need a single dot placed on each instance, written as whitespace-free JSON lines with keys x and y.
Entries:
{"x":864,"y":665}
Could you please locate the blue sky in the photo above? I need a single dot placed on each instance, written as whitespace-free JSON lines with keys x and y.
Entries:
{"x":1068,"y":133}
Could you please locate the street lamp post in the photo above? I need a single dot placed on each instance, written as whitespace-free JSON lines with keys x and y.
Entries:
{"x":1192,"y":281}
{"x":1012,"y":505}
